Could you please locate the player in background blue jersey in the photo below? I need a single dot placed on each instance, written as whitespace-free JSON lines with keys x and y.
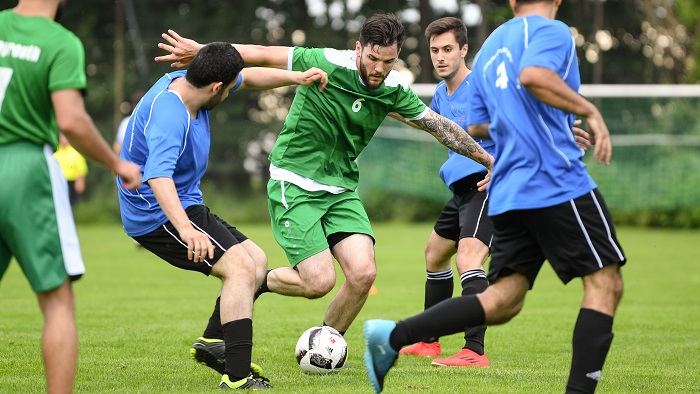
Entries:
{"x":168,"y":136}
{"x":463,"y":227}
{"x":543,"y":203}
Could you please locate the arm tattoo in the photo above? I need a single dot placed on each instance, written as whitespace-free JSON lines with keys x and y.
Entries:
{"x":453,"y":137}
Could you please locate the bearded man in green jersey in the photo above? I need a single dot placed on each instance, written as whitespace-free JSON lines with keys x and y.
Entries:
{"x":42,"y":79}
{"x":315,"y":211}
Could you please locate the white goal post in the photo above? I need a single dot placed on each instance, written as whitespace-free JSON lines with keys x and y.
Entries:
{"x":428,"y":89}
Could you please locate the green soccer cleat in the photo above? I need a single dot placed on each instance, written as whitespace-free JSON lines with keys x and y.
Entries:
{"x":248,"y":383}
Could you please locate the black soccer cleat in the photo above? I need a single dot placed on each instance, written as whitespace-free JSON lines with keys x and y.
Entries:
{"x":210,"y":352}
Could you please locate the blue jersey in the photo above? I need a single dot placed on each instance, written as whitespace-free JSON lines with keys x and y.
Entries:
{"x":166,"y":142}
{"x":455,"y":108}
{"x":538,"y":161}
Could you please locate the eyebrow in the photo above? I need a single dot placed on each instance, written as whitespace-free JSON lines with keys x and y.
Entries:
{"x":373,"y":57}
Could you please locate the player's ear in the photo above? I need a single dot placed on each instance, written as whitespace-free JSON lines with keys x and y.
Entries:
{"x":216,"y":87}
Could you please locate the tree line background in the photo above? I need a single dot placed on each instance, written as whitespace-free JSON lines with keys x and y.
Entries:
{"x":618,"y":41}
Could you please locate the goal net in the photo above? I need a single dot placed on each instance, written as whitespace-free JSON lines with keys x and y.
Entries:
{"x":656,"y":150}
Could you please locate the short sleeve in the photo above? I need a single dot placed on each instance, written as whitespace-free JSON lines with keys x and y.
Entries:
{"x":68,"y":67}
{"x":409,"y":105}
{"x":549,"y":46}
{"x":165,"y":136}
{"x":477,"y":113}
{"x":237,"y":85}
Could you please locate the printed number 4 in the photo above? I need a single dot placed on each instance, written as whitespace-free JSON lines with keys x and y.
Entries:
{"x":502,"y":81}
{"x":5,"y":76}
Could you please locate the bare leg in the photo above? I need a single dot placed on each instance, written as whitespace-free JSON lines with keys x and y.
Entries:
{"x":313,"y":277}
{"x":59,"y":344}
{"x":237,"y":271}
{"x":504,"y":299}
{"x":355,"y":254}
{"x":602,"y":290}
{"x":438,"y":253}
{"x":471,"y":255}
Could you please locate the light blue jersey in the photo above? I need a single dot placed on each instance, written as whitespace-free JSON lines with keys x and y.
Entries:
{"x":166,"y":142}
{"x":538,"y":163}
{"x":455,"y":108}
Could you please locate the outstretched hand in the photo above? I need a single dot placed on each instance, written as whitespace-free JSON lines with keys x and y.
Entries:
{"x":182,"y":50}
{"x":310,"y":76}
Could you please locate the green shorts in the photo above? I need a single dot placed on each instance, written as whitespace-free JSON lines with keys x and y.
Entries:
{"x":303,"y":220}
{"x":36,"y":221}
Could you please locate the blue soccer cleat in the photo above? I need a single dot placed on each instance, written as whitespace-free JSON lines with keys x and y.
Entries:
{"x":379,"y":355}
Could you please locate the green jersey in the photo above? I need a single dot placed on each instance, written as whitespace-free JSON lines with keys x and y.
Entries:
{"x":326,"y":131}
{"x":37,"y":57}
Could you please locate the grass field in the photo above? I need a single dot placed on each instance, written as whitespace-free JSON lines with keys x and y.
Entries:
{"x":138,"y":316}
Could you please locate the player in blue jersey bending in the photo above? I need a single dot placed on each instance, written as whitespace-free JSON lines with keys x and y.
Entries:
{"x":543,"y":203}
{"x":168,"y":135}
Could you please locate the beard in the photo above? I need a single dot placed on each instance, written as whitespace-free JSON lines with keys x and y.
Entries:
{"x":214,"y":101}
{"x":364,"y":75}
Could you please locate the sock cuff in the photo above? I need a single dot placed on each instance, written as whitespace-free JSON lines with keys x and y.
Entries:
{"x":471,"y":275}
{"x":442,"y":275}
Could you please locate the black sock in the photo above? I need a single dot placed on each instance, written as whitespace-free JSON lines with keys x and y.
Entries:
{"x":445,"y":318}
{"x":214,"y":329}
{"x":263,"y":287}
{"x":341,"y":332}
{"x":438,"y":287}
{"x":474,"y":282}
{"x":238,"y":336}
{"x":591,"y":342}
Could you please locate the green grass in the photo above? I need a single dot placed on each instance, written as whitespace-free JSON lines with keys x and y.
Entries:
{"x":138,"y":316}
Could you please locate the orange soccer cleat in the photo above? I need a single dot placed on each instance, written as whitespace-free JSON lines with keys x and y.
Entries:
{"x":425,"y":349}
{"x":465,"y":358}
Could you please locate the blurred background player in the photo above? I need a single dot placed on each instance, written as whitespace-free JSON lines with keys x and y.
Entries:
{"x":41,"y":91}
{"x":463,"y":227}
{"x":73,"y":166}
{"x":121,"y":129}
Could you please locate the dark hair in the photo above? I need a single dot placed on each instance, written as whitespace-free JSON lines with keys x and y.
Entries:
{"x":215,"y":62}
{"x":445,"y":25}
{"x":384,"y":30}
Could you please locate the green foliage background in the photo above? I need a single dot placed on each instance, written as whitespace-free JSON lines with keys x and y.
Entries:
{"x":638,"y":55}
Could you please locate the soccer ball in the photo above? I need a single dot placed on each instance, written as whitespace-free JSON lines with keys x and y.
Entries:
{"x":321,"y":350}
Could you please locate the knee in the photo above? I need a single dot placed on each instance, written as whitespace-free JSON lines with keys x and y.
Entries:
{"x":260,"y":269}
{"x":363,"y":279}
{"x":239,"y":266}
{"x":617,"y":288}
{"x":503,"y":313}
{"x":319,"y":288}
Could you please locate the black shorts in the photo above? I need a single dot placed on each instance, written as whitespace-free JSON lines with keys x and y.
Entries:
{"x":466,"y":214}
{"x":165,"y":241}
{"x":576,"y":237}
